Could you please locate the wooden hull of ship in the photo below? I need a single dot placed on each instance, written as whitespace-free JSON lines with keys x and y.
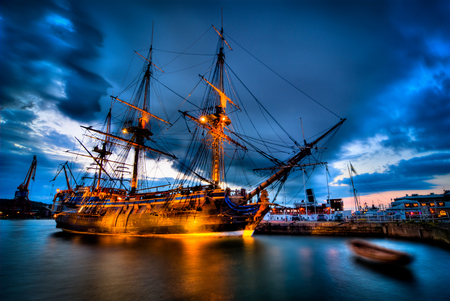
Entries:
{"x":195,"y":215}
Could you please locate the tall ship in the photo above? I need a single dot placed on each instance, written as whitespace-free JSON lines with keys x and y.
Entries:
{"x":122,"y":198}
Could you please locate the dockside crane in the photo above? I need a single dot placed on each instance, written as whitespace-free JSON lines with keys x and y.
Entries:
{"x":21,"y":205}
{"x":65,"y":166}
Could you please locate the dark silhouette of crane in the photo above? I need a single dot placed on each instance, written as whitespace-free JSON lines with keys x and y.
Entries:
{"x":21,"y":205}
{"x":61,"y":195}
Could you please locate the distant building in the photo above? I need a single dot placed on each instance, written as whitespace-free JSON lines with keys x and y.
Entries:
{"x":284,"y":214}
{"x":306,"y":210}
{"x":9,"y":209}
{"x":437,"y":205}
{"x":336,"y":205}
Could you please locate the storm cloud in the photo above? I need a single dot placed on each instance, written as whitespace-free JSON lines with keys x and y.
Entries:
{"x":47,"y":47}
{"x":383,"y":65}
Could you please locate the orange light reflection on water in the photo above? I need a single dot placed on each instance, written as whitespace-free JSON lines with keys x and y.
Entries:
{"x":305,"y":257}
{"x":203,"y":269}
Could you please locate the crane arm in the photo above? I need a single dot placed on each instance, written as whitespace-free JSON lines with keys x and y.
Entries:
{"x":30,"y":175}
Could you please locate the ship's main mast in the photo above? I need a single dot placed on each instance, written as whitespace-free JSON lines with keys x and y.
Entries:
{"x":218,"y":164}
{"x":217,"y":120}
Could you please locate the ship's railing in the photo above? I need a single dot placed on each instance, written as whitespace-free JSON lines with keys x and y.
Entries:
{"x":245,"y":209}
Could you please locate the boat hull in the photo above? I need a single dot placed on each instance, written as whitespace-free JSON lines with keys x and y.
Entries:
{"x":148,"y":225}
{"x":373,"y":253}
{"x":207,"y":217}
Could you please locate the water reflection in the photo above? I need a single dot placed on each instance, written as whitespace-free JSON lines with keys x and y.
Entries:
{"x":54,"y":265}
{"x":391,"y":271}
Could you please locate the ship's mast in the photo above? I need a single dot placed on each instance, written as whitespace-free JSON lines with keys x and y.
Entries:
{"x":220,"y":120}
{"x":214,"y":118}
{"x":143,"y":128}
{"x":103,"y":152}
{"x":217,"y":146}
{"x":136,"y":123}
{"x":350,"y":170}
{"x":142,"y":131}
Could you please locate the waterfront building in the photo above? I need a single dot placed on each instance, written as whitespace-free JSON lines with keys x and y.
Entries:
{"x":287,"y":214}
{"x":307,"y":209}
{"x":336,"y":205}
{"x":415,"y":205}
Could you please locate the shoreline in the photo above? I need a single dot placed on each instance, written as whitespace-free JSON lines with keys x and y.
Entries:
{"x":436,"y":232}
{"x":428,"y":232}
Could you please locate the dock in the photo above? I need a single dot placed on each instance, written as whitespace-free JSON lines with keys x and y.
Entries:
{"x":439,"y":232}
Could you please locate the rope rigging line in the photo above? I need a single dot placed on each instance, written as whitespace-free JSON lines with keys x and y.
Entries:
{"x":301,"y":189}
{"x":187,"y":68}
{"x":181,"y":53}
{"x":134,"y":82}
{"x":271,"y":158}
{"x":259,"y":103}
{"x":187,"y":48}
{"x":185,"y":99}
{"x":373,"y":188}
{"x":295,"y":87}
{"x":157,"y":167}
{"x":158,"y":95}
{"x":254,"y":127}
{"x":126,"y":74}
{"x":265,"y":142}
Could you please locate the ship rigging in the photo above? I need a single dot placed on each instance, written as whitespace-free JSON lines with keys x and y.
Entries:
{"x":199,"y":198}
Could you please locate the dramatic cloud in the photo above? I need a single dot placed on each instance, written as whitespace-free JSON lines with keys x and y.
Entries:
{"x":383,"y":65}
{"x":46,"y":50}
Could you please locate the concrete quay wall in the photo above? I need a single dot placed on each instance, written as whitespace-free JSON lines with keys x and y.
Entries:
{"x":426,"y":231}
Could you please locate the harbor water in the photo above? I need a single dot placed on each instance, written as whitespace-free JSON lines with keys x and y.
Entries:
{"x":40,"y":262}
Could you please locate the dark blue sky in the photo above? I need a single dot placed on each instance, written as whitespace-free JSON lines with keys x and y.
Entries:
{"x":383,"y":65}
